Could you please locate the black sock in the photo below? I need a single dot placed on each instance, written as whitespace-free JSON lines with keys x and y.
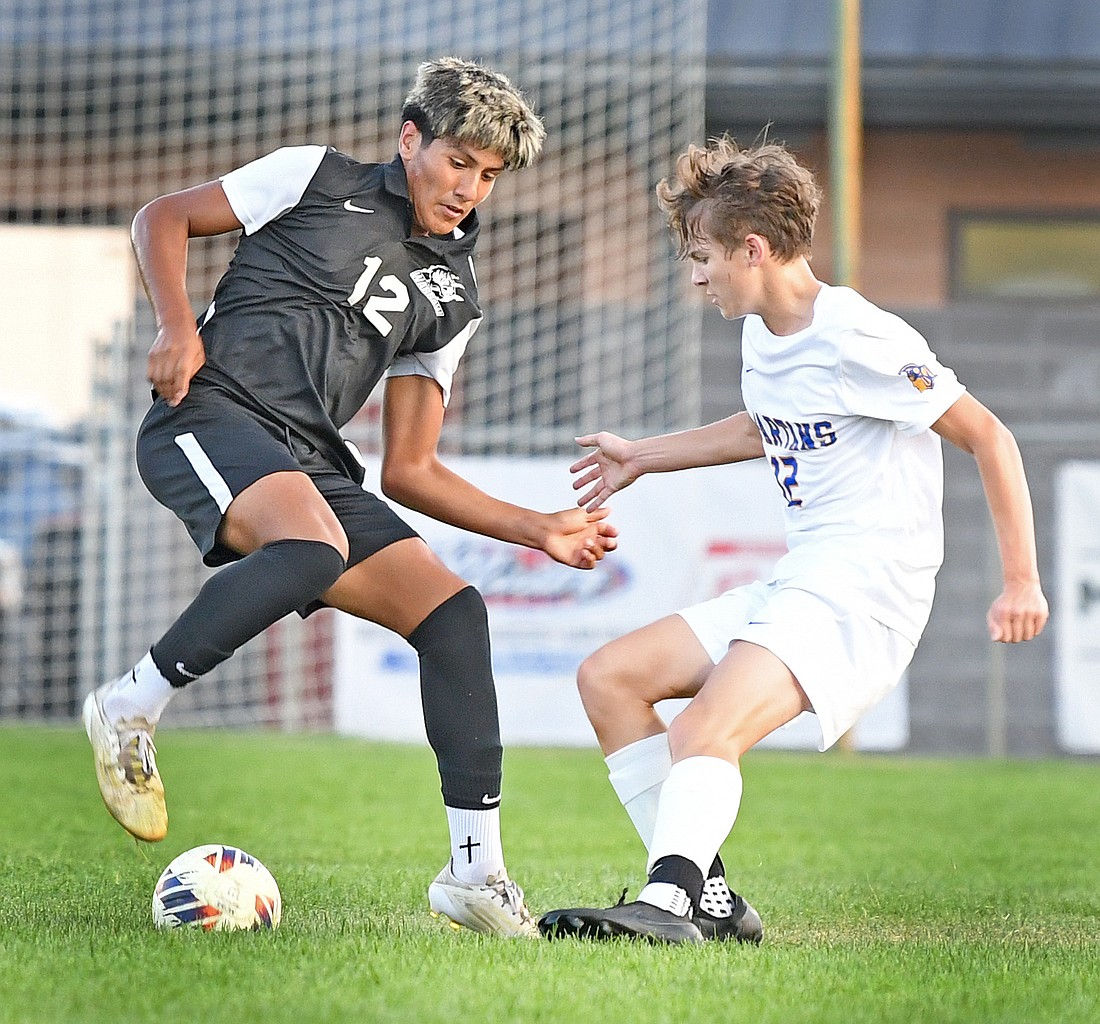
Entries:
{"x":460,"y":700}
{"x":681,"y":872}
{"x":241,"y":601}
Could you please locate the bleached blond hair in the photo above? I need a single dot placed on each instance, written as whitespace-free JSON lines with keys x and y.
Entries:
{"x":458,"y":99}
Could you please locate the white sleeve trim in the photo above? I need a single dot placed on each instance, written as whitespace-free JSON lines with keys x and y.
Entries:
{"x":439,"y":365}
{"x":266,"y":188}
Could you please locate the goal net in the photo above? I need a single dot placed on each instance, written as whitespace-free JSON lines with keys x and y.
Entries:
{"x":588,"y":320}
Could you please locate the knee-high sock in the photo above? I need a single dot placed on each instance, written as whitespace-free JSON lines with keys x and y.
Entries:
{"x":241,"y":601}
{"x":637,"y":772}
{"x":460,"y":701}
{"x":460,"y":719}
{"x":698,"y":807}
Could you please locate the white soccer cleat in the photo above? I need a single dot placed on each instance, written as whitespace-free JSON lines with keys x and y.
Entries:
{"x":126,"y":769}
{"x":495,"y":908}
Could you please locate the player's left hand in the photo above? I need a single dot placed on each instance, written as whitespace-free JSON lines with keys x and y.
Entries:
{"x":1018,"y":614}
{"x":578,"y":538}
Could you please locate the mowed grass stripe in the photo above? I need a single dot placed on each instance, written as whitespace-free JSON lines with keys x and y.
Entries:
{"x":893,"y":889}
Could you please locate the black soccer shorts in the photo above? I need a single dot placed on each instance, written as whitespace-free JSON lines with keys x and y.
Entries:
{"x":197,"y":457}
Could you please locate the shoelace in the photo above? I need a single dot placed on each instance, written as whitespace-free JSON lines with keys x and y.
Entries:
{"x":137,"y":757}
{"x":511,"y":896}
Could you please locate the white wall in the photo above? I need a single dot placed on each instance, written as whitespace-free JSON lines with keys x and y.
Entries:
{"x":62,"y":289}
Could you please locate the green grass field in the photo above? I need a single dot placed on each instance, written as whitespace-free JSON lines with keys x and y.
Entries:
{"x":892,"y":890}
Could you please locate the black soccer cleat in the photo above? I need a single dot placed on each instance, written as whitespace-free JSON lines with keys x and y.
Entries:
{"x":626,"y":920}
{"x":743,"y":925}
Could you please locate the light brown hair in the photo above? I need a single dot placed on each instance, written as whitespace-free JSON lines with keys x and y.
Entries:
{"x":726,"y":193}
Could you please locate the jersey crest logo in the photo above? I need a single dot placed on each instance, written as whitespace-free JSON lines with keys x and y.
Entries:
{"x":920,"y":377}
{"x":439,"y":284}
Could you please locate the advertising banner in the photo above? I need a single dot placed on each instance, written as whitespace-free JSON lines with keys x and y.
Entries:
{"x":684,"y":537}
{"x":1077,"y":637}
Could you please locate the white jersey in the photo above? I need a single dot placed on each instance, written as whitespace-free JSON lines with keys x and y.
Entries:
{"x":844,"y":409}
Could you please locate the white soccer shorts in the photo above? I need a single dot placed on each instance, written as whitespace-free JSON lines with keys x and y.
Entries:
{"x":845,"y":661}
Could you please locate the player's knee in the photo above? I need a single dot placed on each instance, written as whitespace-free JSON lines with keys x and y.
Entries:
{"x":461,"y":620}
{"x":311,"y":566}
{"x":695,"y":732}
{"x":590,"y":679}
{"x":602,"y":684}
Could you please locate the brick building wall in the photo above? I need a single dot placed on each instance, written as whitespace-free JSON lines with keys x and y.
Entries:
{"x":914,"y":180}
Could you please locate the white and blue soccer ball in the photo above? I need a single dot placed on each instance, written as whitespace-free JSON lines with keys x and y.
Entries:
{"x":217,"y":888}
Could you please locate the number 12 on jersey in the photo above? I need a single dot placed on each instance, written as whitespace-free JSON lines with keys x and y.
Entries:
{"x":395,"y":302}
{"x":786,"y":475}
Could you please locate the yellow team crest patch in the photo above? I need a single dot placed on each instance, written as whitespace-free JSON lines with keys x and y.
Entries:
{"x":920,"y":377}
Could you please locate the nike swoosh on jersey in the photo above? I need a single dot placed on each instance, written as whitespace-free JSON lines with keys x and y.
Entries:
{"x":351,"y":207}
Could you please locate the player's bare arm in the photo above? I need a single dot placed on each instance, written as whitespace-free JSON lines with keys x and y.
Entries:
{"x":413,"y":474}
{"x":1020,"y":611}
{"x":159,"y":234}
{"x":616,"y":462}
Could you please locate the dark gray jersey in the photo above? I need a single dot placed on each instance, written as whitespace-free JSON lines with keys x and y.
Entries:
{"x":326,"y":293}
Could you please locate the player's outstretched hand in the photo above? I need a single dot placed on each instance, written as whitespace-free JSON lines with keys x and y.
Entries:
{"x":176,"y":356}
{"x":1019,"y":613}
{"x":578,"y":538}
{"x":609,"y":468}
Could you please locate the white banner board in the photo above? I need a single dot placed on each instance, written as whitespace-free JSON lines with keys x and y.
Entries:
{"x":684,"y":537}
{"x":1077,"y":636}
{"x":62,"y":289}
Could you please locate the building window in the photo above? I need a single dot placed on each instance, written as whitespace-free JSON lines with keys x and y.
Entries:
{"x":1025,"y":256}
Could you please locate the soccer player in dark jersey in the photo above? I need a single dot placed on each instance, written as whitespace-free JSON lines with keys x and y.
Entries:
{"x":345,"y":272}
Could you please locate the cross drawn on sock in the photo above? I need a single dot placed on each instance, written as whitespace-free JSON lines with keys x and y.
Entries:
{"x":468,"y":846}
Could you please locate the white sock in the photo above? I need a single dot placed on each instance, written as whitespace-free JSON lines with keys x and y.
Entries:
{"x":637,"y":772}
{"x":142,"y":693}
{"x":476,"y":849}
{"x":666,"y":896}
{"x":699,"y":804}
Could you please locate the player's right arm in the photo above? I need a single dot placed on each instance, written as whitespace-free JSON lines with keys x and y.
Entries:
{"x":1020,"y":611}
{"x":159,"y":235}
{"x":616,"y":462}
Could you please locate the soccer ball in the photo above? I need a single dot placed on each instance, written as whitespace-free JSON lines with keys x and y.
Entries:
{"x":217,"y":888}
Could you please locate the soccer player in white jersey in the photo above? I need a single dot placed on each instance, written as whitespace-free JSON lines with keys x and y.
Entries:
{"x":344,"y":272}
{"x":847,"y":404}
